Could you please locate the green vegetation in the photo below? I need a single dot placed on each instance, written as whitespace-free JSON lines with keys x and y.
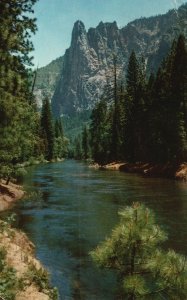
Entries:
{"x":73,"y":125}
{"x":85,"y":143}
{"x":48,"y":76}
{"x":10,"y":282}
{"x":53,"y":142}
{"x":73,"y":128}
{"x":47,"y":130}
{"x":25,"y":135}
{"x":146,"y":119}
{"x":47,"y":79}
{"x":40,"y":278}
{"x":17,"y":113}
{"x":61,"y":142}
{"x":144,"y":270}
{"x":100,"y":131}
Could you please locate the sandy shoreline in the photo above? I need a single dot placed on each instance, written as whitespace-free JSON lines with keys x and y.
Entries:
{"x":20,"y":250}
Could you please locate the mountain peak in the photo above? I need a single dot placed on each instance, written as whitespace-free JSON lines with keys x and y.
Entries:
{"x":79,"y":27}
{"x":109,"y":25}
{"x":89,"y":59}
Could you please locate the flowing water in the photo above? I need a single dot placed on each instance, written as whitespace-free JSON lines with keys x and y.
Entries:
{"x":72,"y":208}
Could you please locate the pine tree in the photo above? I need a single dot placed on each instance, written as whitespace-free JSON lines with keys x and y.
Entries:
{"x":130,"y":99}
{"x":15,"y":32}
{"x":17,"y":128}
{"x":169,"y":139}
{"x":60,"y":141}
{"x":47,"y":129}
{"x":85,"y":143}
{"x":57,"y":129}
{"x":115,"y":123}
{"x":134,"y":102}
{"x":141,"y":114}
{"x":61,"y":130}
{"x":117,"y":111}
{"x":78,"y":148}
{"x":100,"y":132}
{"x":148,"y":128}
{"x":179,"y":98}
{"x":120,"y":126}
{"x":144,"y":270}
{"x":147,"y":122}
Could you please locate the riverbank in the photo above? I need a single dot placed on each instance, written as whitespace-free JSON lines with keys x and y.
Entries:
{"x":9,"y":194}
{"x":178,"y":172}
{"x":21,"y":273}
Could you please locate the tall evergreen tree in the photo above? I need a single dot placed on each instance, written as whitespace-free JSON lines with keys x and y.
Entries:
{"x":148,"y":129}
{"x":60,"y":141}
{"x":131,"y":87}
{"x":115,"y":123}
{"x":47,"y":129}
{"x":134,"y":101}
{"x":117,"y":110}
{"x":141,"y":114}
{"x":59,"y":132}
{"x":17,"y":117}
{"x":179,"y":98}
{"x":169,"y":139}
{"x":85,"y":143}
{"x":120,"y":119}
{"x":78,"y":148}
{"x":100,"y":131}
{"x":147,"y":122}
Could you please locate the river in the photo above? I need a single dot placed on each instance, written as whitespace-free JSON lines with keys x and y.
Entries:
{"x":71,"y":208}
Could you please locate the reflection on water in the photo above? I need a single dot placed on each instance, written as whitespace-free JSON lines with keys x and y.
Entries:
{"x":73,"y":208}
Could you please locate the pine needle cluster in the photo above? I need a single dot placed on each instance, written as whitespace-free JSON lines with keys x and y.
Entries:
{"x":134,"y":250}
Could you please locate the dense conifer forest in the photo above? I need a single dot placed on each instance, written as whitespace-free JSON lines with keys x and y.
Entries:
{"x":144,"y":118}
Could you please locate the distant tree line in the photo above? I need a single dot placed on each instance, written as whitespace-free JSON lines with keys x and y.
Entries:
{"x":24,"y":134}
{"x":54,"y":143}
{"x":145,"y":119}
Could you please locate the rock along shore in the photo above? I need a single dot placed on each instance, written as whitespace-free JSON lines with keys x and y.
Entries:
{"x":9,"y":194}
{"x":178,"y":171}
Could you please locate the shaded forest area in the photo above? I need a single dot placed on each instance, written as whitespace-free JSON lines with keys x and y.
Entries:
{"x":143,"y":119}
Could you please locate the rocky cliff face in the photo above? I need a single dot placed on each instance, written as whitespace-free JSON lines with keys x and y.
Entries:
{"x":46,"y":80}
{"x":88,"y":63}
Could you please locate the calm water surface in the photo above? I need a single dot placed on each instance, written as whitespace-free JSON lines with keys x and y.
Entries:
{"x":72,"y":208}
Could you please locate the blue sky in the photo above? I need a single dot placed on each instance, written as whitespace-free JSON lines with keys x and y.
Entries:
{"x":55,"y":19}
